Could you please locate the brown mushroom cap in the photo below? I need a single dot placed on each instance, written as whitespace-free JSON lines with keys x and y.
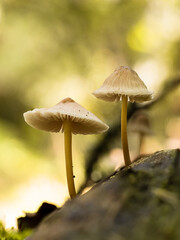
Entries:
{"x":123,"y":81}
{"x":51,"y":119}
{"x":140,"y":122}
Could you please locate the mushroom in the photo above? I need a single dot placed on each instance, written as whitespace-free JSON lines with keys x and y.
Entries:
{"x":124,"y":85}
{"x":69,"y":117}
{"x":140,"y":123}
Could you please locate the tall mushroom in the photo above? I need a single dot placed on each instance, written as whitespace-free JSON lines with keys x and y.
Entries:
{"x":122,"y":85}
{"x":69,"y":117}
{"x":140,"y":123}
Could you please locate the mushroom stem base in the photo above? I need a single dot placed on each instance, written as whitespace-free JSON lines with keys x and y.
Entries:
{"x":124,"y":131}
{"x":68,"y":158}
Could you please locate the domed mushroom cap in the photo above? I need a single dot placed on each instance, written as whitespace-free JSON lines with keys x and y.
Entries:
{"x":51,"y":119}
{"x":123,"y":81}
{"x":140,"y":122}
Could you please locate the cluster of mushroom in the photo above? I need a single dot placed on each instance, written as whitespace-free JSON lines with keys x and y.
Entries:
{"x":69,"y":117}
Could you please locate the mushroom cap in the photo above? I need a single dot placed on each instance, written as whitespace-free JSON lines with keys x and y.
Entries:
{"x":51,"y":119}
{"x":123,"y":82}
{"x":140,"y":122}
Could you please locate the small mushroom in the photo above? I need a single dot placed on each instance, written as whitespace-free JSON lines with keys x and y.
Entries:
{"x":140,"y":123}
{"x":122,"y":85}
{"x":69,"y":117}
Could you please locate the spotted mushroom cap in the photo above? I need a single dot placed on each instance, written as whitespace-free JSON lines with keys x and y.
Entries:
{"x":51,"y":119}
{"x":123,"y":81}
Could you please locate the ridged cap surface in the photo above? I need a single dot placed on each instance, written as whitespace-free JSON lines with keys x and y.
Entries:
{"x":51,"y":119}
{"x":123,"y":82}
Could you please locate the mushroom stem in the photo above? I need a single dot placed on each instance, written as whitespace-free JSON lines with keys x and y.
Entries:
{"x":124,"y":131}
{"x":141,"y":138}
{"x":68,"y":157}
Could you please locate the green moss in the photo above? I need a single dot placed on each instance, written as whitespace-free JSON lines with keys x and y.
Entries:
{"x":13,"y":234}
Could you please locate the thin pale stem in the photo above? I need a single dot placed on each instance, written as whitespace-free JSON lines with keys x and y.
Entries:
{"x":68,"y":157}
{"x":141,"y":138}
{"x":124,"y":131}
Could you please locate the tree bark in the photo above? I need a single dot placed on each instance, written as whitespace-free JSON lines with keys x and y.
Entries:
{"x":139,"y":202}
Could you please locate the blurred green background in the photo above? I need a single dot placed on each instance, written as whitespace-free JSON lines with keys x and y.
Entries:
{"x":54,"y":49}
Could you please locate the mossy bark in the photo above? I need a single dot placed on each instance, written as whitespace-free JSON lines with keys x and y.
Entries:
{"x":137,"y":203}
